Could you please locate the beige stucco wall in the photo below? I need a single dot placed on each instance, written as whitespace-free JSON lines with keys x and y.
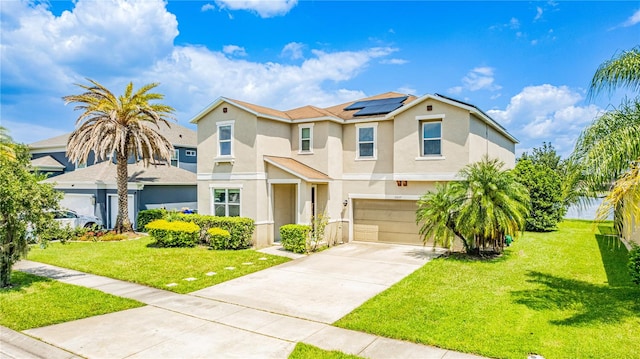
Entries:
{"x":485,"y":140}
{"x":408,"y":137}
{"x":383,"y":162}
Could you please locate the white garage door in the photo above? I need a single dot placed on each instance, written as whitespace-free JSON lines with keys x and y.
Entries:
{"x":80,"y":203}
{"x":390,"y":221}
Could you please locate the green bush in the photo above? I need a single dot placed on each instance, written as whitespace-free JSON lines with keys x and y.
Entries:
{"x":634,"y":264}
{"x":173,"y":234}
{"x":148,"y":215}
{"x":239,"y":228}
{"x":219,"y":238}
{"x":294,"y":237}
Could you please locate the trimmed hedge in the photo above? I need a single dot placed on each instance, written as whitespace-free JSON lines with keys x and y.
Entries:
{"x":147,"y":215}
{"x":173,"y":234}
{"x":240,"y":228}
{"x":219,"y":238}
{"x":294,"y":237}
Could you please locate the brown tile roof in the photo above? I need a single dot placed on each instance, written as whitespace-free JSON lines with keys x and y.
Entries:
{"x":338,"y":110}
{"x":261,"y":109}
{"x":46,"y":162}
{"x":298,"y":169}
{"x":308,"y":112}
{"x":105,"y":172}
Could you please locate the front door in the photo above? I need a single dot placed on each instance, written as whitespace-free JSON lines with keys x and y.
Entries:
{"x":284,"y":206}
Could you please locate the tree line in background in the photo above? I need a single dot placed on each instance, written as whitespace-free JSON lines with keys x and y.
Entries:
{"x":490,"y":203}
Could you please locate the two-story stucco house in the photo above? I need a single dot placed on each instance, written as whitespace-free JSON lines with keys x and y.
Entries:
{"x":364,"y":164}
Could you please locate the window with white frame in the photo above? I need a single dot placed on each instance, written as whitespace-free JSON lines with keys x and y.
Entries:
{"x":175,"y":156}
{"x":226,"y":202}
{"x":366,"y":138}
{"x":432,"y":138}
{"x":306,"y":138}
{"x":190,"y":153}
{"x":225,"y":139}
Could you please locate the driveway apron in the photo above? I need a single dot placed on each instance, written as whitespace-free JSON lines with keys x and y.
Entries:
{"x":325,"y":286}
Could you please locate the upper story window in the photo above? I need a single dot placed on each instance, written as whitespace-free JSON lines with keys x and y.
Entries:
{"x":432,"y":138}
{"x":175,"y":157}
{"x":306,"y":138}
{"x":190,"y":153}
{"x":225,"y":139}
{"x":226,"y":202}
{"x":366,"y":139}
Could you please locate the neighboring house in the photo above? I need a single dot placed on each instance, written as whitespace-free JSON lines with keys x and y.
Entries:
{"x":50,"y":155}
{"x":631,"y":226}
{"x":90,"y":188}
{"x":93,"y":190}
{"x":364,"y":164}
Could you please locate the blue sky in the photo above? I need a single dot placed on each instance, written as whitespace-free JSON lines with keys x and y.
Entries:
{"x":526,"y":63}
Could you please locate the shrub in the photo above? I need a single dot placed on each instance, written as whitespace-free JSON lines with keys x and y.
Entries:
{"x":148,"y":215}
{"x":239,"y":228}
{"x":294,"y":237}
{"x":634,"y":264}
{"x":219,"y":238}
{"x":173,"y":234}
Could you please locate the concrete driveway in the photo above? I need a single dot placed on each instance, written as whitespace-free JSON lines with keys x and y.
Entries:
{"x":261,"y":315}
{"x":325,"y":286}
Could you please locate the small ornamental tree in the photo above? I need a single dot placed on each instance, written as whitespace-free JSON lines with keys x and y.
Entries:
{"x":481,"y":209}
{"x":25,"y":208}
{"x":545,"y":189}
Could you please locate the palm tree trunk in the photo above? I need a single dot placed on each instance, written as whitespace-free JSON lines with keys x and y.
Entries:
{"x":122,"y":221}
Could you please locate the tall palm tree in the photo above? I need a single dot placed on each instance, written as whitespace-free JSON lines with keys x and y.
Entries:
{"x":481,"y":209}
{"x":125,"y":127}
{"x":609,"y":149}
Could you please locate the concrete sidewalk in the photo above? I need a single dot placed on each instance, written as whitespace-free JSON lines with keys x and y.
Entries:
{"x":255,"y":316}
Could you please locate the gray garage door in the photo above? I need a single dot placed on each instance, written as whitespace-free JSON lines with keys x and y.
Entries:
{"x":390,"y":221}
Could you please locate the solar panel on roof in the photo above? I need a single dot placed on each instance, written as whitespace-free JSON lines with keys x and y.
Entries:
{"x":378,"y":109}
{"x":383,"y":101}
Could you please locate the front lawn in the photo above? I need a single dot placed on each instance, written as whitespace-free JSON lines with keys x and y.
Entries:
{"x":34,"y":302}
{"x":563,"y":294}
{"x":181,"y":270}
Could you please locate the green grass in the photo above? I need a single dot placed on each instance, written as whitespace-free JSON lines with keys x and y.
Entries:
{"x":306,"y":351}
{"x":562,"y":294}
{"x":34,"y":302}
{"x":138,"y":262}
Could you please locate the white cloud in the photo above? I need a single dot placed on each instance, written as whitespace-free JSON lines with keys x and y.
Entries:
{"x":117,"y":41}
{"x":514,"y":23}
{"x":539,"y":13}
{"x":234,"y":50}
{"x":547,"y":113}
{"x":479,"y":78}
{"x":96,"y":38}
{"x":632,"y":20}
{"x":207,"y":7}
{"x":264,"y":8}
{"x":408,"y":90}
{"x":394,"y":61}
{"x":293,"y":50}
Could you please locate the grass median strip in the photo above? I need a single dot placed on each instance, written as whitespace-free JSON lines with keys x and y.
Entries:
{"x":181,"y":270}
{"x":35,"y":301}
{"x":306,"y":351}
{"x":562,"y":294}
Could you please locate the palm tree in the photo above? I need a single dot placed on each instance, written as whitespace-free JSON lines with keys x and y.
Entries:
{"x":125,"y":127}
{"x":6,"y":145}
{"x":620,"y":71}
{"x":481,"y":209}
{"x":609,"y":149}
